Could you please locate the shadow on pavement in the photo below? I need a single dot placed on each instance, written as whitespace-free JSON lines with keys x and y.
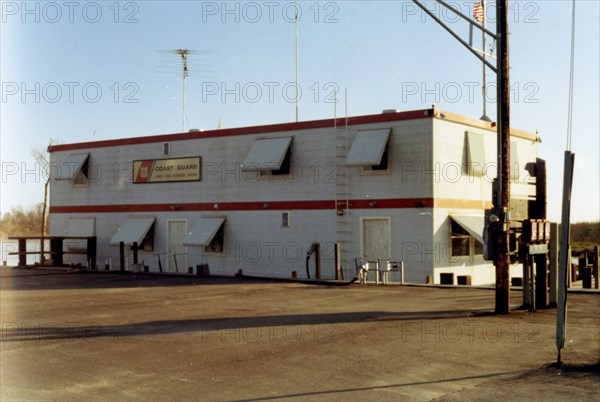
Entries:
{"x":218,"y":327}
{"x":49,"y":279}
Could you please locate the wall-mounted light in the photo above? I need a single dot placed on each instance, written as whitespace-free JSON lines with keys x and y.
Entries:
{"x":216,"y":206}
{"x":373,"y":204}
{"x":174,"y":207}
{"x":265,"y":205}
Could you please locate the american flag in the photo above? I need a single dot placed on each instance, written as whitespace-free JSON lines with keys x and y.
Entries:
{"x":478,"y":11}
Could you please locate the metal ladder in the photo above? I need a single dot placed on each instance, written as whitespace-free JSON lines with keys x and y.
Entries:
{"x":342,"y":205}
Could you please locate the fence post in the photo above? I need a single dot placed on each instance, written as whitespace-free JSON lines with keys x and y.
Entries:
{"x":122,"y":255}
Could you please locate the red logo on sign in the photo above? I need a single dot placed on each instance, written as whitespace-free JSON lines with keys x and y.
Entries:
{"x":144,"y":172}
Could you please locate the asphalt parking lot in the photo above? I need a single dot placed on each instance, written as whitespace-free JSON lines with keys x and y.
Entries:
{"x":94,"y":336}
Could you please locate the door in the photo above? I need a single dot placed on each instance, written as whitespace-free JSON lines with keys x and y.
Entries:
{"x":176,"y":251}
{"x":376,"y":238}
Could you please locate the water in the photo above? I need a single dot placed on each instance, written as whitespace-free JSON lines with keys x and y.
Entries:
{"x":9,"y":246}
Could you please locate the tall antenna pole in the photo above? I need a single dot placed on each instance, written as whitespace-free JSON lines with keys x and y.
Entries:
{"x":484,"y":87}
{"x":184,"y":54}
{"x":296,"y":27}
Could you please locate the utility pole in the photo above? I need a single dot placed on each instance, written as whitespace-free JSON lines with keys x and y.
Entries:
{"x":497,"y":219}
{"x":502,"y":199}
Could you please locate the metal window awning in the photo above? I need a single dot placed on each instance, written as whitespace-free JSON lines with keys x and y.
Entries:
{"x":134,"y":229}
{"x":471,"y":223}
{"x":204,"y":231}
{"x":70,"y":167}
{"x":368,"y":147}
{"x":475,"y":153}
{"x":266,"y":154}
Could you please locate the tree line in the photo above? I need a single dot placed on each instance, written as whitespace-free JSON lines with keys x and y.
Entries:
{"x":22,"y":222}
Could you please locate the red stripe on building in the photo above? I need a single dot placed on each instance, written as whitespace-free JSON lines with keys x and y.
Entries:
{"x":396,"y":203}
{"x":390,"y":203}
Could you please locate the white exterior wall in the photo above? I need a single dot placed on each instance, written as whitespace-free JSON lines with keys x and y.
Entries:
{"x":424,"y":155}
{"x":453,"y":182}
{"x":254,"y":239}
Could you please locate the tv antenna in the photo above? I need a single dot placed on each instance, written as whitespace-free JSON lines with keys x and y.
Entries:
{"x":185,"y":70}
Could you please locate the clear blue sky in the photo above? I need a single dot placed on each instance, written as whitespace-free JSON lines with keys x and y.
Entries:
{"x":385,"y":53}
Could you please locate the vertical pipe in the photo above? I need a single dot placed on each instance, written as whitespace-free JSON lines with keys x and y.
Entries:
{"x":336,"y":253}
{"x":318,"y":261}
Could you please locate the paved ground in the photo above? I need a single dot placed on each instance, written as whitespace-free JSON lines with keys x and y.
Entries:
{"x":73,"y":336}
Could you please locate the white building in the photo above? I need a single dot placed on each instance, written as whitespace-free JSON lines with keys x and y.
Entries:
{"x":407,"y":186}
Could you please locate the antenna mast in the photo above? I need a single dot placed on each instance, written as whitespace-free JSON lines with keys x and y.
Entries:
{"x":184,"y":54}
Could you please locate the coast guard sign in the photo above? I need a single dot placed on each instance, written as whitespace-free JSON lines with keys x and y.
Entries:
{"x":167,"y":170}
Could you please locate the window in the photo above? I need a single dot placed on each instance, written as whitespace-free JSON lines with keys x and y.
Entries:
{"x":166,"y":148}
{"x":136,"y":229}
{"x":465,"y":238}
{"x":269,"y":154}
{"x":216,"y":244}
{"x":370,"y":150}
{"x":209,"y":233}
{"x":475,"y":156}
{"x":285,"y":219}
{"x":74,"y":168}
{"x":383,"y":166}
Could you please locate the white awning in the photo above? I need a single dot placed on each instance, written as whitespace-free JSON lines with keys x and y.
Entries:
{"x":471,"y":223}
{"x":475,"y":154}
{"x":134,"y":229}
{"x":368,"y":147}
{"x":204,"y":231}
{"x":266,"y":154}
{"x":70,"y":167}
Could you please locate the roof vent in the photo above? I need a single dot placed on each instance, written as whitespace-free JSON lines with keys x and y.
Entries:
{"x":387,"y":111}
{"x":195,"y":130}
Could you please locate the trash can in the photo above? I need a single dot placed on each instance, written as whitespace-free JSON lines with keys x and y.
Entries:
{"x":202,"y":270}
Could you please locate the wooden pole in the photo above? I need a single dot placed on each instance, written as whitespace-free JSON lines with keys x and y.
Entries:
{"x":502,"y":262}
